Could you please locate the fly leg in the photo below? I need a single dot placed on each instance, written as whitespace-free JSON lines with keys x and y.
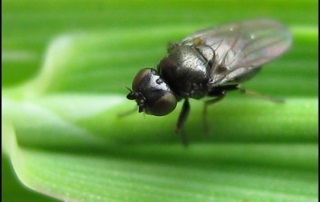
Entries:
{"x":219,"y":93}
{"x":205,"y":108}
{"x":182,"y":119}
{"x":257,"y":95}
{"x":127,"y":113}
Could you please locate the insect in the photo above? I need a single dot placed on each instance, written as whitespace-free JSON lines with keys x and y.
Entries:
{"x":210,"y":63}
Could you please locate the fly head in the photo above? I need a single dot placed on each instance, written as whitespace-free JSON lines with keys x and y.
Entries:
{"x":152,"y":94}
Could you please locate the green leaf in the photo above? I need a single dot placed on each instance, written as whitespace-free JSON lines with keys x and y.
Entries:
{"x":62,"y":133}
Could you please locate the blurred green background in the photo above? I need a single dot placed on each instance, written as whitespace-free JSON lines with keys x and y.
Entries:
{"x":29,"y":26}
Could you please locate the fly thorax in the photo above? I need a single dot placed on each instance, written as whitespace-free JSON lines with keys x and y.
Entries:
{"x":186,"y":70}
{"x":207,"y":53}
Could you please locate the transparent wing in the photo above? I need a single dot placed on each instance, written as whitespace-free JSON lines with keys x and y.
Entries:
{"x":242,"y":47}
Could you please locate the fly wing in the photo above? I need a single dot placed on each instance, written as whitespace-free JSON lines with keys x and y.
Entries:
{"x":241,"y":47}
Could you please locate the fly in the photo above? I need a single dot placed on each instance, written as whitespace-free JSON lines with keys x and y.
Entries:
{"x":210,"y":63}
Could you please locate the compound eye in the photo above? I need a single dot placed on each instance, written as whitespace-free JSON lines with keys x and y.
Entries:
{"x":140,"y":76}
{"x":163,"y":105}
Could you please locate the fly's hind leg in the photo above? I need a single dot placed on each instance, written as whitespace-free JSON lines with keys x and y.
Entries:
{"x":219,"y":93}
{"x":260,"y":96}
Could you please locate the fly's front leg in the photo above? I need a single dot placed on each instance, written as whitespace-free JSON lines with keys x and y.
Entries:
{"x":205,"y":108}
{"x":127,"y":113}
{"x":182,"y":119}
